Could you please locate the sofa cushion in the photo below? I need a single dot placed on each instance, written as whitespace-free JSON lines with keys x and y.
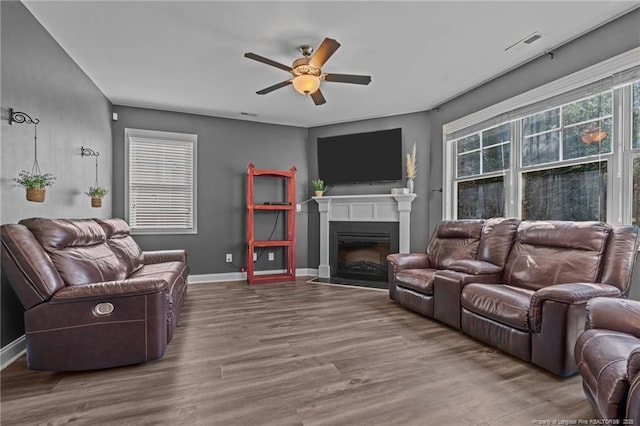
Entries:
{"x":172,"y":272}
{"x":454,"y":240}
{"x":78,"y":249}
{"x":420,"y":280}
{"x":553,"y":252}
{"x":123,"y":245}
{"x":602,"y":356}
{"x":497,"y":239}
{"x":502,"y":303}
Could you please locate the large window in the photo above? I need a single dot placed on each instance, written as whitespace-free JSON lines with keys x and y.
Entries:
{"x":161,"y":182}
{"x":571,"y":155}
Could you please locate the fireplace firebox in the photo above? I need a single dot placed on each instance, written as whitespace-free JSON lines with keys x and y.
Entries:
{"x":358,"y":250}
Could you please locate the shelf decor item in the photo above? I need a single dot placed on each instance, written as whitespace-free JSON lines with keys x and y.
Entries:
{"x":411,"y":169}
{"x":96,"y":192}
{"x":35,"y":182}
{"x":318,"y":187}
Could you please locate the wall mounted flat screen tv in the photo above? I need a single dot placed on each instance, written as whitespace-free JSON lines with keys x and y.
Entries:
{"x":361,"y":157}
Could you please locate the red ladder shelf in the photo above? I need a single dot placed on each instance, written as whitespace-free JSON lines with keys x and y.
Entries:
{"x":289,"y":243}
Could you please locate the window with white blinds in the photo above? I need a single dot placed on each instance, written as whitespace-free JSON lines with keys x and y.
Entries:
{"x":161,"y":182}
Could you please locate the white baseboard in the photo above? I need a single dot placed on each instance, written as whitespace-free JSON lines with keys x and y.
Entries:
{"x":12,"y":351}
{"x":242,"y":276}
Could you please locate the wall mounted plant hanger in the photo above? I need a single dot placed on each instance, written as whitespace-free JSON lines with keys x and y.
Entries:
{"x":35,"y":182}
{"x":96,"y":192}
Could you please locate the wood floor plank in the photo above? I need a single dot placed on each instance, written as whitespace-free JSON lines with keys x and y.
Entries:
{"x":299,"y":354}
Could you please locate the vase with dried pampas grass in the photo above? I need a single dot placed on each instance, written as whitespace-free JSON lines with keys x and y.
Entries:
{"x":411,"y":168}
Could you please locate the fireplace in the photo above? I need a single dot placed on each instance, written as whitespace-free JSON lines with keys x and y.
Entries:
{"x":358,"y":250}
{"x":376,"y":210}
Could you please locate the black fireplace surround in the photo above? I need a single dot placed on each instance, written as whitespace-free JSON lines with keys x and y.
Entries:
{"x":358,"y":250}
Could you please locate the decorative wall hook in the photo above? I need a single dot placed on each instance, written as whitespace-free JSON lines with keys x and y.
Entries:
{"x":21,"y":117}
{"x":88,"y":152}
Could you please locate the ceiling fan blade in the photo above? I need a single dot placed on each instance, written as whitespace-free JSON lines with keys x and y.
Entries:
{"x":267,"y":61}
{"x":327,"y":48}
{"x":317,"y":97}
{"x":348,"y":78}
{"x":274,"y":87}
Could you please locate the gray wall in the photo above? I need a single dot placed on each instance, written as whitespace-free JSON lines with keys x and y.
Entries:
{"x":415,"y":129}
{"x":39,"y":78}
{"x":225,"y":148}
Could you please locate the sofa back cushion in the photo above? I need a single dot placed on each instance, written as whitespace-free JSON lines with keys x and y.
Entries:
{"x":454,"y":240}
{"x":497,"y":239}
{"x":120,"y":240}
{"x":620,"y":257}
{"x":78,"y":249}
{"x":556,"y":252}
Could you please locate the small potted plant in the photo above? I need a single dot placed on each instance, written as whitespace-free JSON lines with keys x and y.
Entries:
{"x":96,"y":193}
{"x":318,"y":186}
{"x":35,"y":184}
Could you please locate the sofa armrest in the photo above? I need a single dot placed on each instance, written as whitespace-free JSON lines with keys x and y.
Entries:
{"x":615,"y":314}
{"x":475,"y":267}
{"x":409,"y":261}
{"x":124,"y":288}
{"x":161,"y":256}
{"x":569,"y":293}
{"x":633,"y":364}
{"x":633,"y":401}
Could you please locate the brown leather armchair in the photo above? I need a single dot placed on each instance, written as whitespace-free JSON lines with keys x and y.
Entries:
{"x":92,"y":298}
{"x":537,"y":310}
{"x":608,"y":358}
{"x":411,"y":275}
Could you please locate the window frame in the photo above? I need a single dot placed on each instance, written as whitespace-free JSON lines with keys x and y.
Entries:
{"x":159,"y":136}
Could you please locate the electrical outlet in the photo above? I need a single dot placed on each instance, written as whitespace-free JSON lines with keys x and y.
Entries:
{"x":229,"y":258}
{"x":298,"y":207}
{"x":271,"y":256}
{"x":255,"y":256}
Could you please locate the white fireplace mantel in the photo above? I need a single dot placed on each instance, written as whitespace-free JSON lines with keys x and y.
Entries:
{"x":362,"y":208}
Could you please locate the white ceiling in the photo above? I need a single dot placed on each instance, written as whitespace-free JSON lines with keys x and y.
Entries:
{"x":188,"y":56}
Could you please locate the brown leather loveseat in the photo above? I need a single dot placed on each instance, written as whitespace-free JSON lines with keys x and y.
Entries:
{"x":93,"y":299}
{"x":532,"y":305}
{"x":608,"y":357}
{"x":458,"y":251}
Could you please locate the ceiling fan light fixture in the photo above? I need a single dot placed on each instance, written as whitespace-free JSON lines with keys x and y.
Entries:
{"x":306,"y":84}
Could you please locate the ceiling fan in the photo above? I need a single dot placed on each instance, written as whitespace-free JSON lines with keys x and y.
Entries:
{"x":307,"y":73}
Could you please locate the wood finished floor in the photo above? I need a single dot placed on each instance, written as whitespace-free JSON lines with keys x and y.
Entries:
{"x":299,"y":354}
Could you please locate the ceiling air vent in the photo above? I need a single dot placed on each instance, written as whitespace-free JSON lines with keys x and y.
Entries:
{"x":527,"y":41}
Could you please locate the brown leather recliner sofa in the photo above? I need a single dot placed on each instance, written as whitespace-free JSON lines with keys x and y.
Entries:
{"x":93,"y":299}
{"x":608,"y":358}
{"x":531,"y":306}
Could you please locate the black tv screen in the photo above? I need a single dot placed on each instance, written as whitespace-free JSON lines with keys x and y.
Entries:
{"x":361,"y":157}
